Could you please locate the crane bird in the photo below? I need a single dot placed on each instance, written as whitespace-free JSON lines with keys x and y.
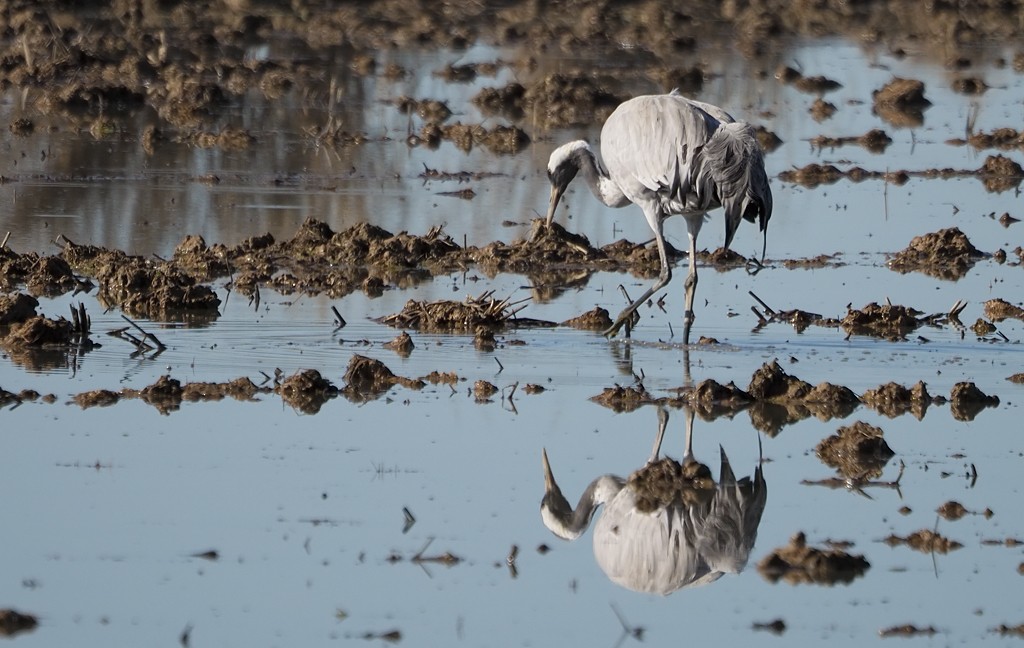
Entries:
{"x":705,"y":530}
{"x":671,"y":155}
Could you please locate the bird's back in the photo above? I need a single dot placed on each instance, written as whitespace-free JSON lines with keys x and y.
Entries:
{"x":650,"y":144}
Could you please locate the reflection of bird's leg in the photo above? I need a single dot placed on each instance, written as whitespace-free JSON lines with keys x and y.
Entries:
{"x":662,"y":424}
{"x":688,"y":455}
{"x":664,"y":277}
{"x":687,"y":377}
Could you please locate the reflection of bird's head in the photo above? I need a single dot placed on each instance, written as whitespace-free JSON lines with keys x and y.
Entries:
{"x":563,"y":165}
{"x":559,"y":516}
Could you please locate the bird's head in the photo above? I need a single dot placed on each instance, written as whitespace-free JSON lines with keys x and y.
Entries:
{"x":563,"y":165}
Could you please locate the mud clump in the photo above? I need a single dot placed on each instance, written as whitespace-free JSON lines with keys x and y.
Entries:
{"x":925,"y":541}
{"x":1000,"y":173}
{"x":13,"y":622}
{"x":874,"y":140}
{"x":597,"y":319}
{"x":448,"y":316}
{"x":39,"y":331}
{"x":307,"y":390}
{"x":402,"y":345}
{"x":18,"y":307}
{"x":952,"y":510}
{"x":998,"y":310}
{"x":907,"y":630}
{"x":665,"y":482}
{"x":966,"y":401}
{"x":240,"y":389}
{"x":623,"y":399}
{"x":367,"y":379}
{"x":893,"y":399}
{"x":901,"y":102}
{"x":813,"y":175}
{"x":888,"y":321}
{"x":856,"y":450}
{"x":797,"y":563}
{"x":711,"y":399}
{"x":946,"y":254}
{"x":771,"y":382}
{"x":96,"y":398}
{"x":483,"y":390}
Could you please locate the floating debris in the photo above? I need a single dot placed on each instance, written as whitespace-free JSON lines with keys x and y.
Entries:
{"x":776,"y":626}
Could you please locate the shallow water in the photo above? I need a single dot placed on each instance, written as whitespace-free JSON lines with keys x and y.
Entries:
{"x":105,"y":508}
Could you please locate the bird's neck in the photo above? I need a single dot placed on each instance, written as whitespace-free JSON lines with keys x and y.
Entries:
{"x":597,"y":179}
{"x":572,"y":523}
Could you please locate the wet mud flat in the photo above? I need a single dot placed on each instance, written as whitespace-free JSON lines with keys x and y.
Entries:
{"x":386,"y":486}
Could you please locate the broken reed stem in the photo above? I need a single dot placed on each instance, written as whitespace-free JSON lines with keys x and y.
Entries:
{"x":150,"y":336}
{"x":340,"y":320}
{"x":766,"y":307}
{"x":7,"y":237}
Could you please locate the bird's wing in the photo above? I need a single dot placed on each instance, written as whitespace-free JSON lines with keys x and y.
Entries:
{"x":649,"y":145}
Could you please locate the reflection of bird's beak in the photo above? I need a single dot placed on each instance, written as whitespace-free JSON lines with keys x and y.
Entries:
{"x":556,"y":195}
{"x":549,"y":478}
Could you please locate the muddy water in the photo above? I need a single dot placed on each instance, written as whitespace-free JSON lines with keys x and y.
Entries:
{"x":111,"y":512}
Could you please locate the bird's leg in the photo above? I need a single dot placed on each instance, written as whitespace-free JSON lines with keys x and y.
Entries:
{"x":691,"y":289}
{"x":663,"y":279}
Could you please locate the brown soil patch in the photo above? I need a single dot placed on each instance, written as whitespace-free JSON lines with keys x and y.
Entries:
{"x":893,"y":399}
{"x":798,"y":563}
{"x":925,"y":541}
{"x":856,"y":450}
{"x":946,"y":254}
{"x":966,"y":401}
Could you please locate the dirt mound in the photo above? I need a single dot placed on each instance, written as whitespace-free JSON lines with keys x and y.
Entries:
{"x":925,"y":541}
{"x":966,"y":401}
{"x":901,"y":102}
{"x":893,"y":399}
{"x":307,"y":391}
{"x":39,"y":331}
{"x":367,"y":379}
{"x":888,"y":321}
{"x":770,"y":382}
{"x":998,"y":310}
{"x":946,"y":254}
{"x":447,"y":316}
{"x":18,"y":307}
{"x":856,"y":450}
{"x":594,"y":320}
{"x":798,"y":563}
{"x":624,"y":399}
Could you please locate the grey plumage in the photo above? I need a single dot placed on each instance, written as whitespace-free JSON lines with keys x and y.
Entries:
{"x":670,"y":155}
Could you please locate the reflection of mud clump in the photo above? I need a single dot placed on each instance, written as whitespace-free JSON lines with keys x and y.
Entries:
{"x":946,"y":254}
{"x":893,"y":399}
{"x":307,"y":391}
{"x":444,"y":315}
{"x":241,"y":389}
{"x":925,"y":541}
{"x":165,"y":394}
{"x":1000,"y":173}
{"x":966,"y":401}
{"x":366,"y":379}
{"x":13,"y":622}
{"x":901,"y":102}
{"x":952,"y":510}
{"x":888,"y":321}
{"x":483,"y":390}
{"x":875,"y":140}
{"x":18,"y":307}
{"x":623,"y":399}
{"x":996,"y":310}
{"x":594,"y":320}
{"x":797,"y":563}
{"x":784,"y":399}
{"x":665,"y":482}
{"x":812,"y":175}
{"x":856,"y":450}
{"x":560,"y":100}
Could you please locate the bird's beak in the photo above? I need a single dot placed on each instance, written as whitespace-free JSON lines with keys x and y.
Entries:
{"x":549,"y":478}
{"x":556,"y":195}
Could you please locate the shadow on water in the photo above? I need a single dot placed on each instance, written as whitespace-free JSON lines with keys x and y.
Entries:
{"x":669,"y":525}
